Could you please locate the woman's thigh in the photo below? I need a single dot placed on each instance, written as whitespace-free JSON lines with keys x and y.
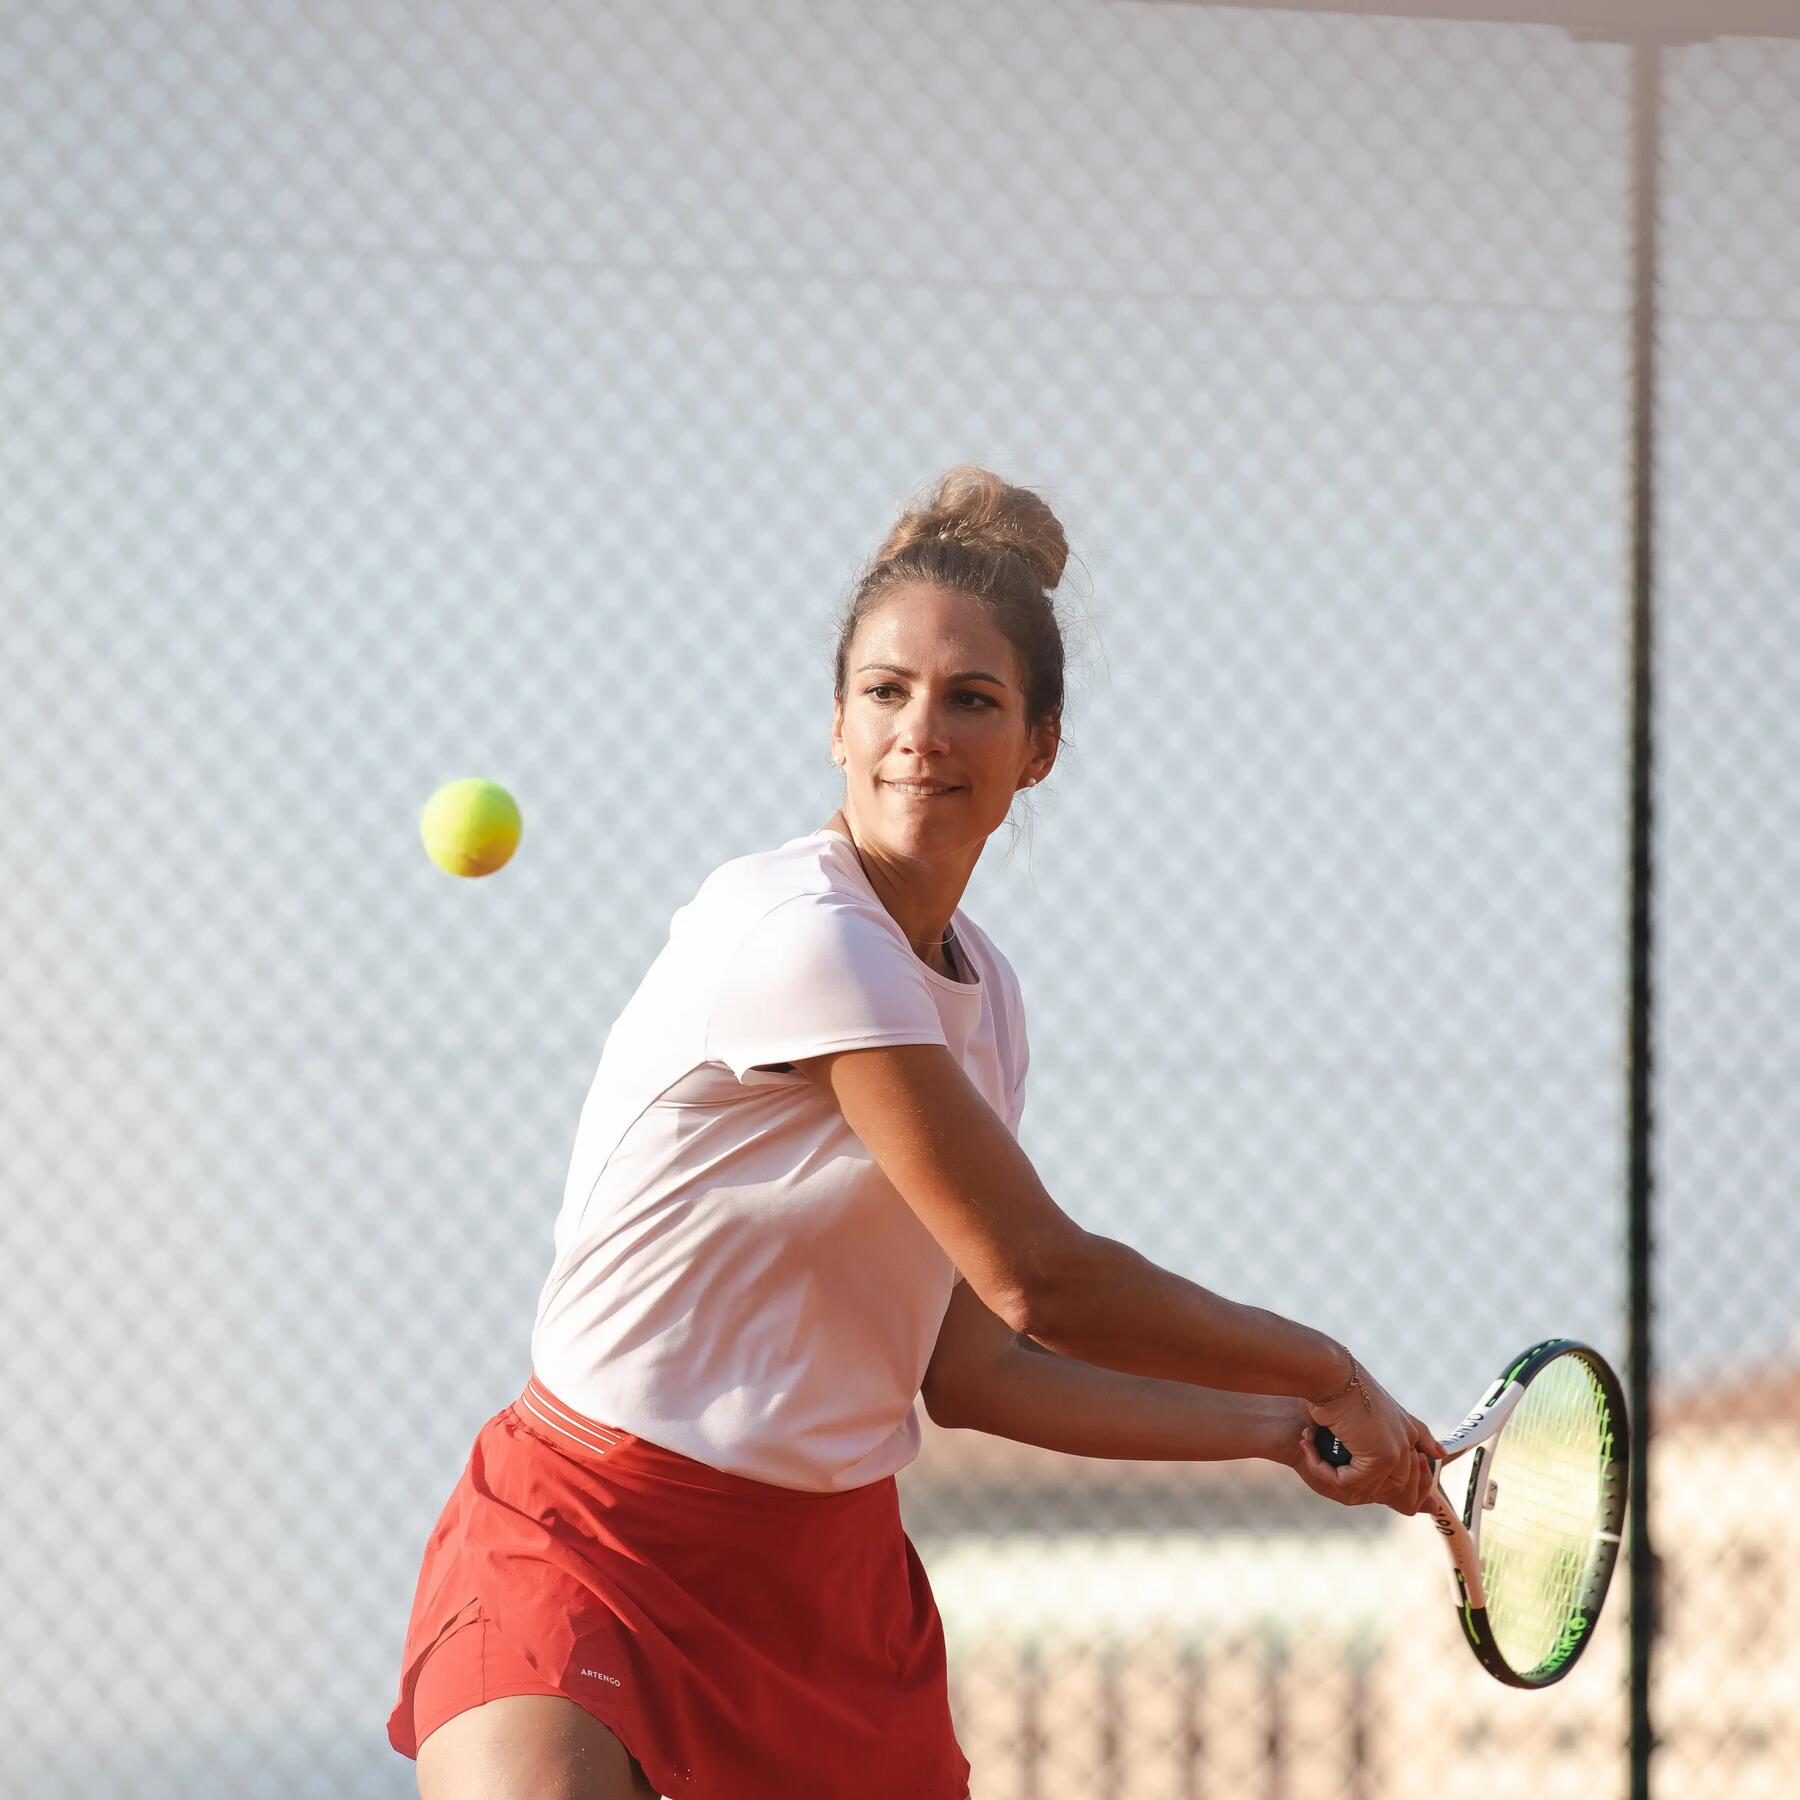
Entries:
{"x":528,"y":1747}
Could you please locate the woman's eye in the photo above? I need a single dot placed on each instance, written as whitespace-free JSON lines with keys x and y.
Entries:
{"x":887,"y":687}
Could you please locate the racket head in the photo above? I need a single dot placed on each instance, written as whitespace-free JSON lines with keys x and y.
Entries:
{"x":1546,"y":1506}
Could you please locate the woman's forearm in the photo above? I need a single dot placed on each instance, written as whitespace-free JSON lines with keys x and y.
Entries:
{"x":1111,"y":1306}
{"x":1082,"y":1410}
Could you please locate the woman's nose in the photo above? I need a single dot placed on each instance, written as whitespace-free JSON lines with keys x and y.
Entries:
{"x":922,"y":719}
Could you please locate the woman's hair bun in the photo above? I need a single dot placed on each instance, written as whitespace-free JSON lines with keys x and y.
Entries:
{"x":974,"y":506}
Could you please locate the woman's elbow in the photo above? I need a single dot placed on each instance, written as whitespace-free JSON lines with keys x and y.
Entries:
{"x":1049,"y":1298}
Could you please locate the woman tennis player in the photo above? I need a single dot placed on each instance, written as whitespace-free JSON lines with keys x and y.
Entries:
{"x":796,"y":1205}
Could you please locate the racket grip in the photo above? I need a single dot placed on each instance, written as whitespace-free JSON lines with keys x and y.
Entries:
{"x":1330,"y":1446}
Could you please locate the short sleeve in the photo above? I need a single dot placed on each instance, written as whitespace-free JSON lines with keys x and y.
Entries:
{"x":814,"y":975}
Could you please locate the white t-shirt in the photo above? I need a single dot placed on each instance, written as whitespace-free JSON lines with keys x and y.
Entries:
{"x":735,"y":1279}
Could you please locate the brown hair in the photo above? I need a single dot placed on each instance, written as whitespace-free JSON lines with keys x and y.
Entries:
{"x":998,"y":544}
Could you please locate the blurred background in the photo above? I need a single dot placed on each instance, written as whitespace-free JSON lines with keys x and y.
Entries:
{"x":397,"y":392}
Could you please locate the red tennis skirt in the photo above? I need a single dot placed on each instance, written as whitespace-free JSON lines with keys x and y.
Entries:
{"x":742,"y":1641}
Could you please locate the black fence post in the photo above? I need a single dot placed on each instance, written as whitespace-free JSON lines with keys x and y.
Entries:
{"x":1646,"y":127}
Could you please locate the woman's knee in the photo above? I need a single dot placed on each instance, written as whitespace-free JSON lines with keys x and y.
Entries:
{"x":528,"y":1747}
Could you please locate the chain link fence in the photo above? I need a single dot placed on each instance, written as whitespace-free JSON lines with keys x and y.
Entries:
{"x":1726,"y":1271}
{"x":397,"y":392}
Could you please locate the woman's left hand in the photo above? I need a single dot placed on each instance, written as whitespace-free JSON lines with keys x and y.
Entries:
{"x":1318,"y":1475}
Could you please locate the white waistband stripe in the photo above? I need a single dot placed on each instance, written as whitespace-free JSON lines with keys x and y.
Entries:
{"x":571,"y":1425}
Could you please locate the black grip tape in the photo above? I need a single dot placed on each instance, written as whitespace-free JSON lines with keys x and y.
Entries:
{"x":1330,"y":1446}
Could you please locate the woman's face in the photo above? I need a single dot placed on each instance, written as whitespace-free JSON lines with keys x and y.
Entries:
{"x":933,"y":694}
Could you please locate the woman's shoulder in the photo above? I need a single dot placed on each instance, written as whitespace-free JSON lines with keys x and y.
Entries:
{"x":803,"y":877}
{"x":801,"y":866}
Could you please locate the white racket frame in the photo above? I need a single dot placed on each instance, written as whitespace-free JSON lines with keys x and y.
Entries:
{"x":1483,"y":1424}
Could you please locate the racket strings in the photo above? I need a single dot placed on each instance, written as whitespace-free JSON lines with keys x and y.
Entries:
{"x":1550,"y":1501}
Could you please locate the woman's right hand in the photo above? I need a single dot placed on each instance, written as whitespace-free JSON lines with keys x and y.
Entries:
{"x":1392,"y":1454}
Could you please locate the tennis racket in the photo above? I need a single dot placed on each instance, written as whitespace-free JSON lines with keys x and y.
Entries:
{"x":1533,"y":1548}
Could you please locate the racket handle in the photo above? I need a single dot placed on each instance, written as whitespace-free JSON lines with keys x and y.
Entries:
{"x":1330,"y":1446}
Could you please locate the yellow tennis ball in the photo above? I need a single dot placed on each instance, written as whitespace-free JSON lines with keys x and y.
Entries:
{"x":470,"y":827}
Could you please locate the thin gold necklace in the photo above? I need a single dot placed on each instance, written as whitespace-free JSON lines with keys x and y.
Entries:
{"x":870,"y":879}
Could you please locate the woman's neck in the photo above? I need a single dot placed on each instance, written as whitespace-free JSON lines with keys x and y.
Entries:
{"x":931,"y":942}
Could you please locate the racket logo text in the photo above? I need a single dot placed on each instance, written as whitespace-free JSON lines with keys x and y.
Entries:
{"x":1570,"y":1641}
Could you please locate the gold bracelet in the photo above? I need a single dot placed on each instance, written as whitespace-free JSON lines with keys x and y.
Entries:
{"x":1355,"y":1381}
